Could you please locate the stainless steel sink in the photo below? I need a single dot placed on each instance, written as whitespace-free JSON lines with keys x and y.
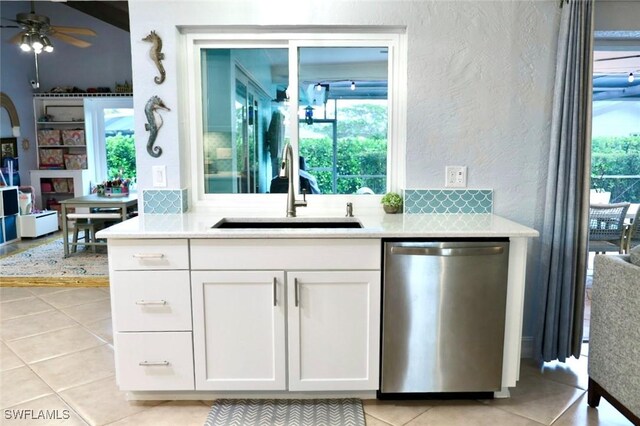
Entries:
{"x":287,"y":222}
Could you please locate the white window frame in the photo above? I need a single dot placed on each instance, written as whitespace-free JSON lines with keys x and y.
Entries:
{"x":392,"y":38}
{"x":95,"y":128}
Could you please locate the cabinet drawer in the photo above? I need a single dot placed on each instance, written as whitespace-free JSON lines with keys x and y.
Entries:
{"x":261,"y":254}
{"x":154,"y":361}
{"x":151,"y":300}
{"x":148,"y":254}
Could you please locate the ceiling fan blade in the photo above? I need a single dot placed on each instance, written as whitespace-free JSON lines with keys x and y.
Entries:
{"x":9,"y":26}
{"x":73,"y":30}
{"x":10,"y":20}
{"x":16,"y":38}
{"x":71,"y":40}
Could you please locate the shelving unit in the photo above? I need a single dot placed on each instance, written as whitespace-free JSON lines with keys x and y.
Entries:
{"x":9,"y":212}
{"x":78,"y":179}
{"x":57,"y":119}
{"x":63,"y":112}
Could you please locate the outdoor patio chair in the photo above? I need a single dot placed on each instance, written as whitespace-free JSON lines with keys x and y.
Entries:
{"x":632,"y":238}
{"x":606,"y":227}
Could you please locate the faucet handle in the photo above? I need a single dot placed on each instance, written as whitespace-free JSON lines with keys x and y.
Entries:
{"x":302,"y":203}
{"x":349,"y":210}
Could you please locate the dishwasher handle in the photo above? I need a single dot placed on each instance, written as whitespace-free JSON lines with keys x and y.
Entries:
{"x":438,"y":251}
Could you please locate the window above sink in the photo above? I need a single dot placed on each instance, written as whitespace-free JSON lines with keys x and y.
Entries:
{"x":243,"y":109}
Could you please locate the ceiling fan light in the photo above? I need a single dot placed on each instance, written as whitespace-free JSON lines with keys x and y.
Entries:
{"x":48,"y":47}
{"x":25,"y":43}
{"x":36,"y":43}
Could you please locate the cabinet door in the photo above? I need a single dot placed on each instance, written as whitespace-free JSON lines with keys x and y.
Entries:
{"x":334,"y":330}
{"x":238,"y":330}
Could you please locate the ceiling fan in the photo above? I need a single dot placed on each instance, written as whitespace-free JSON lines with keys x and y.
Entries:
{"x":36,"y":30}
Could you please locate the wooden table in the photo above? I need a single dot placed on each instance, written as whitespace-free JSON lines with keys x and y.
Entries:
{"x":94,"y":201}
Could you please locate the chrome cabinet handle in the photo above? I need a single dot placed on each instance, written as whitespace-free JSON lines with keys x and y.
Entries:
{"x":295,"y":286}
{"x":436,"y":251}
{"x":151,"y":302}
{"x":275,"y":290}
{"x":154,"y":363}
{"x":148,"y":255}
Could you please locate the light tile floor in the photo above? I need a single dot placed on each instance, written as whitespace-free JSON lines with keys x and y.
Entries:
{"x":56,"y":353}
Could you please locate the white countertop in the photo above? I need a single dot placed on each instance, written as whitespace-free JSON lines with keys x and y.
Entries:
{"x":376,"y":225}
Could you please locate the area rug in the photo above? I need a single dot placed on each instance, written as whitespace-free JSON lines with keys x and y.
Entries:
{"x":45,"y":265}
{"x":286,"y":412}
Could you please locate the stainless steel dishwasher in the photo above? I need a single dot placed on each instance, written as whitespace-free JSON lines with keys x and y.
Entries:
{"x":443,"y":316}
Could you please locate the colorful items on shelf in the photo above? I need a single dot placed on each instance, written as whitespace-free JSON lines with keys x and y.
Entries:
{"x":75,"y":161}
{"x":48,"y":137}
{"x":73,"y":137}
{"x":113,"y":188}
{"x":51,"y":158}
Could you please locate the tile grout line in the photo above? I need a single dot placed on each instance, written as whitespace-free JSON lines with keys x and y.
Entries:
{"x":54,"y":392}
{"x":577,"y":401}
{"x":77,"y":323}
{"x":46,"y":384}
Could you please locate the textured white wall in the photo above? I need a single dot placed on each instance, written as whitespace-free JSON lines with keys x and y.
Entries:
{"x":480,"y":83}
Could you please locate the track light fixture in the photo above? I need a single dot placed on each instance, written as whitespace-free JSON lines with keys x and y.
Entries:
{"x":318,"y":87}
{"x":631,"y":78}
{"x":353,"y":85}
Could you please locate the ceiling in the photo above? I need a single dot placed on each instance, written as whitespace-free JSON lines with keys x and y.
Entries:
{"x":114,"y":12}
{"x":611,"y":69}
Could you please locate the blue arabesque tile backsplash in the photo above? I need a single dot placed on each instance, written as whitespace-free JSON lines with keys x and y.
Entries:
{"x":448,"y":201}
{"x":165,"y":201}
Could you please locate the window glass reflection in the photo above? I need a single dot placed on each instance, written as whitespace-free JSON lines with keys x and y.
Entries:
{"x":243,"y":118}
{"x":343,"y":118}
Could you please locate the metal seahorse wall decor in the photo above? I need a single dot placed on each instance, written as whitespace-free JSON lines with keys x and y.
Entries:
{"x":156,"y":55}
{"x":154,"y":103}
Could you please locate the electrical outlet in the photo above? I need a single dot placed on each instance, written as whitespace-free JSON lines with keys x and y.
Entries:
{"x":159,"y":176}
{"x":456,"y":177}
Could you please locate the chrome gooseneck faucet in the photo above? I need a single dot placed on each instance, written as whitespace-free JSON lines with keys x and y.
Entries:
{"x":286,"y":170}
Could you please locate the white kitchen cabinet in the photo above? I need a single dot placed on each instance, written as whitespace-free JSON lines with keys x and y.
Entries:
{"x":236,"y":335}
{"x":333,"y":330}
{"x":239,"y":330}
{"x":151,"y":310}
{"x":333,"y":333}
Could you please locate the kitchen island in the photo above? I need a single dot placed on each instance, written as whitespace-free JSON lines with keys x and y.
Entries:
{"x":271,"y":311}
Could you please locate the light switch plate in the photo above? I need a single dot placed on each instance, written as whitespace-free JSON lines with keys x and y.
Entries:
{"x":456,"y":177}
{"x":159,"y":176}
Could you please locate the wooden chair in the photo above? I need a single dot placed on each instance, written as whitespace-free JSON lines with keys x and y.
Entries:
{"x":606,"y":227}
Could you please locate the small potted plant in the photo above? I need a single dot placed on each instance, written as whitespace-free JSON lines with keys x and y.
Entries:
{"x":391,"y":202}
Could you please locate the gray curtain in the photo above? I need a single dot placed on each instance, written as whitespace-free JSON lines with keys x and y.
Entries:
{"x":564,"y":236}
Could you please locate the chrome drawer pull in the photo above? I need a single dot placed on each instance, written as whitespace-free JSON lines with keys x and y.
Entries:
{"x":153,"y":363}
{"x":297,"y":296}
{"x":148,"y":255}
{"x":151,"y":302}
